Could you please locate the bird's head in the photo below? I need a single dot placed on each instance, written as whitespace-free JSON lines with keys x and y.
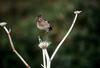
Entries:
{"x":39,"y":18}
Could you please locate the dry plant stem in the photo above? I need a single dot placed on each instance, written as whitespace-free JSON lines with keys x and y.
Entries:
{"x":44,"y":58}
{"x":48,"y":59}
{"x":57,"y":48}
{"x":13,"y":48}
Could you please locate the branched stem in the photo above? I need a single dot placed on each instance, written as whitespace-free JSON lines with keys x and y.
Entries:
{"x":13,"y":48}
{"x":59,"y":45}
{"x":44,"y":44}
{"x":46,"y":59}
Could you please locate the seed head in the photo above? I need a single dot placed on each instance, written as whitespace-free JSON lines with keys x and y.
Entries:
{"x":3,"y":24}
{"x":44,"y":44}
{"x":77,"y":12}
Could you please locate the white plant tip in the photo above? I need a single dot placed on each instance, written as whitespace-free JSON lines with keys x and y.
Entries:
{"x":77,"y":12}
{"x":3,"y":24}
{"x":44,"y":44}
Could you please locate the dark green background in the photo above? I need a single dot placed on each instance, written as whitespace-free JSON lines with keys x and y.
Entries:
{"x":80,"y":50}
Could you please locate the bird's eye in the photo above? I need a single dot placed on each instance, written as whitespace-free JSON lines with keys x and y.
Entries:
{"x":40,"y":19}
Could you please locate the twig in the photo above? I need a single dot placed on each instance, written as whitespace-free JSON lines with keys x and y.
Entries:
{"x":57,"y":48}
{"x":12,"y":45}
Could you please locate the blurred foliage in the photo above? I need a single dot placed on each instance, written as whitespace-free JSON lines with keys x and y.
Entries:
{"x":80,"y":50}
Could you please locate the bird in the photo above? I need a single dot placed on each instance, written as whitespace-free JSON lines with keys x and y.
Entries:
{"x":43,"y":24}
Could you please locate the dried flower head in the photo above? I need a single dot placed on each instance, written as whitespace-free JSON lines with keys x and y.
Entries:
{"x":3,"y":24}
{"x":77,"y":12}
{"x":44,"y":44}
